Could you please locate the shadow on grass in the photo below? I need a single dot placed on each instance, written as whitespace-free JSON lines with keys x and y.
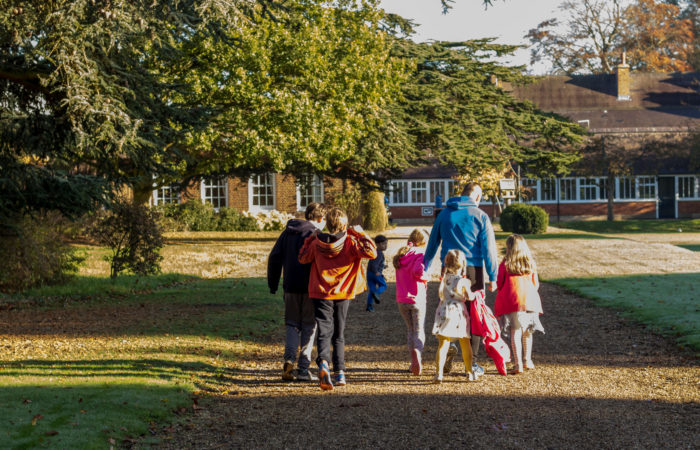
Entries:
{"x":634,"y":226}
{"x":84,"y":415}
{"x":667,"y":303}
{"x":206,"y":240}
{"x":691,"y":247}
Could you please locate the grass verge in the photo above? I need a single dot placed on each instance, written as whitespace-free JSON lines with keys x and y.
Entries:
{"x":667,"y":303}
{"x":634,"y":226}
{"x":117,"y":370}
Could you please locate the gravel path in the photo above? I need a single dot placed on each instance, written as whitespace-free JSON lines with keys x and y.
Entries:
{"x":599,"y":383}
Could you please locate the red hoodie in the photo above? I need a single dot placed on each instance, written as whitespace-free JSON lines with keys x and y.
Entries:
{"x":336,"y":269}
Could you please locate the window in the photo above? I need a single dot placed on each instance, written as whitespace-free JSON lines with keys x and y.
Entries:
{"x":529,"y":189}
{"x":549,"y":189}
{"x":166,"y":195}
{"x":567,"y":189}
{"x":587,"y":189}
{"x":399,"y":192}
{"x":686,"y":187}
{"x":437,"y":188}
{"x":214,"y":191}
{"x":261,"y":192}
{"x":419,"y":191}
{"x":309,"y":190}
{"x":627,"y":188}
{"x":603,"y":183}
{"x":646,"y":187}
{"x":451,"y":186}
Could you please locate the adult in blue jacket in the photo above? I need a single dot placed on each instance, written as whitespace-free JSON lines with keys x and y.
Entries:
{"x":463,"y":226}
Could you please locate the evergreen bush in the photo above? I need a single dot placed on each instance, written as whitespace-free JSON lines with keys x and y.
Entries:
{"x":34,"y":252}
{"x":522,"y":218}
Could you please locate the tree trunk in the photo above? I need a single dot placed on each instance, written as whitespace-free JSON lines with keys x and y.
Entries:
{"x":611,"y":197}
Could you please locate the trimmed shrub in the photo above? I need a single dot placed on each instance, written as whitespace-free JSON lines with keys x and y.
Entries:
{"x":375,"y":212}
{"x":131,"y":232}
{"x":522,"y":218}
{"x":35,"y":253}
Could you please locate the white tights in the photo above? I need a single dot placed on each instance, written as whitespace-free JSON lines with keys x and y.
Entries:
{"x":521,"y":343}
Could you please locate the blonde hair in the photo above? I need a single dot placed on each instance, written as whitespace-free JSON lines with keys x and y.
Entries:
{"x":455,"y":262}
{"x":417,"y":238}
{"x":336,"y":220}
{"x":519,"y":260}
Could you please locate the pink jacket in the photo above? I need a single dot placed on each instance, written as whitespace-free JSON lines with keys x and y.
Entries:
{"x":411,"y":279}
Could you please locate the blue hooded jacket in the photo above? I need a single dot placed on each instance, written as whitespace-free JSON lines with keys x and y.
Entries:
{"x":463,"y":226}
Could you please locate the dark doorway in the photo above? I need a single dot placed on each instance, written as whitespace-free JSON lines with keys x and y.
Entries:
{"x":667,"y":198}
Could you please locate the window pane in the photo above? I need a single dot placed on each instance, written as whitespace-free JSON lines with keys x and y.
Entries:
{"x":686,"y":187}
{"x":567,"y":189}
{"x":419,"y":191}
{"x":587,"y":189}
{"x":646,"y":187}
{"x":529,"y":189}
{"x":549,"y":189}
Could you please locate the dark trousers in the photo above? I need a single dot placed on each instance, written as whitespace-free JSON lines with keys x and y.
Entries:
{"x":330,"y":320}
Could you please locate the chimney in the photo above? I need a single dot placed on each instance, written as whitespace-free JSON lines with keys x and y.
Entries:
{"x":623,"y":80}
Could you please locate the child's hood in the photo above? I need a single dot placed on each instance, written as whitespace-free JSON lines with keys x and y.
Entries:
{"x":298,"y":226}
{"x":331,"y":244}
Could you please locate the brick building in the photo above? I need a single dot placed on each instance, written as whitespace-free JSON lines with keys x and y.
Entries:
{"x":652,"y":111}
{"x":633,"y":109}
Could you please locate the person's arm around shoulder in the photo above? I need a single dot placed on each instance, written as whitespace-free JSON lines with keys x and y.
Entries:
{"x":307,"y":252}
{"x":364,"y":244}
{"x":274,"y":263}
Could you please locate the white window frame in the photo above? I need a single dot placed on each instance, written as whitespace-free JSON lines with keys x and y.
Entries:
{"x":410,"y":187}
{"x":159,"y":197}
{"x":644,"y":183}
{"x":587,"y":186}
{"x":694,"y":192}
{"x":252,"y":184}
{"x":316,"y":181}
{"x":208,"y":183}
{"x":572,"y":187}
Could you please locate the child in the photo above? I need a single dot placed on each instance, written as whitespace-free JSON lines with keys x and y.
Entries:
{"x":451,"y":316}
{"x":411,"y":282}
{"x":336,"y":278}
{"x":375,"y":280}
{"x":298,"y":309}
{"x":518,"y":303}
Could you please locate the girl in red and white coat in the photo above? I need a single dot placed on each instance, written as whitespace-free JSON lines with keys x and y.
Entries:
{"x":518,"y":303}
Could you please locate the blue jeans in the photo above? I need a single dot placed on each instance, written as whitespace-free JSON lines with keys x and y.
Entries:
{"x":376,"y":285}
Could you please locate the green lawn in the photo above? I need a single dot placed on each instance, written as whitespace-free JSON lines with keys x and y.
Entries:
{"x":103,"y":383}
{"x":634,"y":226}
{"x":668,"y":303}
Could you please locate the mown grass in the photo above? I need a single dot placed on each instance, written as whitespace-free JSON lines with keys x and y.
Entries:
{"x":120,"y":382}
{"x":634,"y":226}
{"x":667,"y":303}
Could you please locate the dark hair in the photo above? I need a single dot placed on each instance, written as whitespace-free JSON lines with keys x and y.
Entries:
{"x":469,"y":188}
{"x":380,"y":238}
{"x":315,"y":211}
{"x":336,"y":220}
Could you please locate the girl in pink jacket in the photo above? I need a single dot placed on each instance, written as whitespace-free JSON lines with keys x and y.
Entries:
{"x":411,"y":285}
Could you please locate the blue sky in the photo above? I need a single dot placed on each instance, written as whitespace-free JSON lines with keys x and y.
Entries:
{"x":506,"y":20}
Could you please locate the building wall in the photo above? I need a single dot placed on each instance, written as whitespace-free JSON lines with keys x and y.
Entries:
{"x":238,"y":193}
{"x":689,"y":209}
{"x":286,"y":194}
{"x":599,"y":210}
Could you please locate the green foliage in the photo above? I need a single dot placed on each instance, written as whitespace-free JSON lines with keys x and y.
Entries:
{"x":194,"y":215}
{"x":455,"y":105}
{"x":350,"y":201}
{"x":34,"y":253}
{"x":375,"y":211}
{"x":133,"y":236}
{"x":522,"y":218}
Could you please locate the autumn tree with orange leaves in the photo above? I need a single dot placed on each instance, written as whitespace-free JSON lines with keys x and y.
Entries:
{"x":595,"y":33}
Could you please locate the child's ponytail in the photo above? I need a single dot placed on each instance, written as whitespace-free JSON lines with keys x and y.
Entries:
{"x":401,"y":253}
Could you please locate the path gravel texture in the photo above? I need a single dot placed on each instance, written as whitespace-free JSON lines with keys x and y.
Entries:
{"x":599,"y":382}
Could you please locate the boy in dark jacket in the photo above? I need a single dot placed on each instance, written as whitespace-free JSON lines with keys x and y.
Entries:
{"x":375,"y":280}
{"x":298,"y":309}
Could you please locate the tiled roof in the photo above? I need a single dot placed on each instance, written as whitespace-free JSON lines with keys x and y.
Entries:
{"x":658,"y":102}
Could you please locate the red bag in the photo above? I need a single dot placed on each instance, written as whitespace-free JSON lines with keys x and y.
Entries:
{"x":485,"y":324}
{"x":499,"y":352}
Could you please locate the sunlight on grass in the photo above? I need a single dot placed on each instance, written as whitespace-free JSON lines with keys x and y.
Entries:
{"x":668,"y":303}
{"x":635,"y":226}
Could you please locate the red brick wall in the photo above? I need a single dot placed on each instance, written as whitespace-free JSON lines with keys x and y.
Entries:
{"x":286,"y":193}
{"x":238,"y":193}
{"x":689,"y":208}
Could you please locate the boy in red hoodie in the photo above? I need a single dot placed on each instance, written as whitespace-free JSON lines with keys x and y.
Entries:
{"x":336,"y":278}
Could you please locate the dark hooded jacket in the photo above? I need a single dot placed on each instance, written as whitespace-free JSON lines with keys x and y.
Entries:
{"x":284,"y":256}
